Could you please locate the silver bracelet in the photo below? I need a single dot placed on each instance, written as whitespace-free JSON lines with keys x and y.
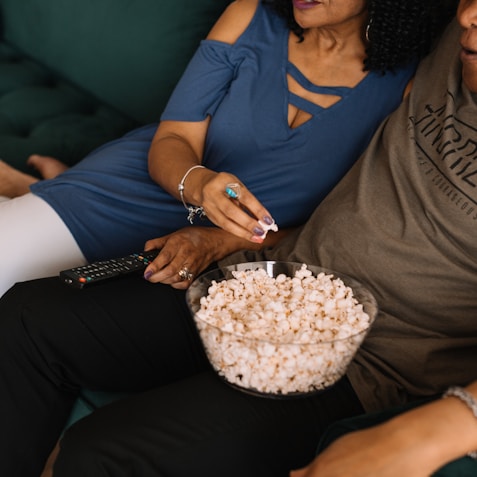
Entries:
{"x":193,"y":210}
{"x":468,"y":399}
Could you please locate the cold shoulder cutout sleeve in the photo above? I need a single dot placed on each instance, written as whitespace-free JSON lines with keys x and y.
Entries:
{"x":203,"y":84}
{"x":212,"y":69}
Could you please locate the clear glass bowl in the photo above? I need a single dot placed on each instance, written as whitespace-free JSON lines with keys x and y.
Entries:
{"x":272,"y":368}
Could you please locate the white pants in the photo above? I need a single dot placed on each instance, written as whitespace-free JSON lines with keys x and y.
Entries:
{"x":34,"y":241}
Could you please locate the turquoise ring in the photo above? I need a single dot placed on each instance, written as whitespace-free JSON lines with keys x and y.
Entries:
{"x":233,"y":190}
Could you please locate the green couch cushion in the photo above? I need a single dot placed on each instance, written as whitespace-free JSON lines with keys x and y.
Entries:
{"x":91,"y":400}
{"x":127,"y":53}
{"x":41,"y":113}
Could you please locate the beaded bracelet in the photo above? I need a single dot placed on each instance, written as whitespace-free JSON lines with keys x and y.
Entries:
{"x":193,"y":210}
{"x":468,"y":399}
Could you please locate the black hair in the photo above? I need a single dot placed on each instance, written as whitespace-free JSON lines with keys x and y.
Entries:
{"x":398,"y":32}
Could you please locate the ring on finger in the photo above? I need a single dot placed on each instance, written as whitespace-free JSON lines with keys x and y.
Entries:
{"x":185,"y":274}
{"x":233,"y":190}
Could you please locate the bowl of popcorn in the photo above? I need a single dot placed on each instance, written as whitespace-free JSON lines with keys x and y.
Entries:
{"x":280,"y":329}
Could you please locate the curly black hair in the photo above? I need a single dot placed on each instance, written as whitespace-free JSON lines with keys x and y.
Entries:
{"x":399,"y":30}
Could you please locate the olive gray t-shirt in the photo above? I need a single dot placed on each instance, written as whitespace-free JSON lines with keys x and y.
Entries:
{"x":404,"y":222}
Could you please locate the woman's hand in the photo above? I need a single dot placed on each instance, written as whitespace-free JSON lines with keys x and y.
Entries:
{"x":194,"y":249}
{"x":230,"y":205}
{"x":190,"y":249}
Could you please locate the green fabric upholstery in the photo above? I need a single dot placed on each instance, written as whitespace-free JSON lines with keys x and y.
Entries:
{"x":41,"y":113}
{"x":74,"y":75}
{"x":89,"y":401}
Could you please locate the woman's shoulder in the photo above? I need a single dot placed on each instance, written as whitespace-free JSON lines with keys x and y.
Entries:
{"x":234,"y":21}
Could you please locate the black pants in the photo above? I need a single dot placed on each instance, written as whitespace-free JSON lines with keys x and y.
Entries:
{"x":130,"y":335}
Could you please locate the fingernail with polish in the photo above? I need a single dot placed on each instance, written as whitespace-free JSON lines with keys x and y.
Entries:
{"x":257,"y":239}
{"x":268,"y":224}
{"x":148,"y":275}
{"x":258,"y":231}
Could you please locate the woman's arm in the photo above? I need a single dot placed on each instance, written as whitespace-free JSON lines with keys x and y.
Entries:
{"x":413,"y":444}
{"x":178,"y":146}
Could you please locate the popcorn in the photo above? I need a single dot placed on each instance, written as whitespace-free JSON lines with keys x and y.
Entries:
{"x":281,"y":334}
{"x":267,"y":227}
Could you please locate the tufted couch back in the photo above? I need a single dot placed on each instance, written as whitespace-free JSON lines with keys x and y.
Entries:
{"x":74,"y":75}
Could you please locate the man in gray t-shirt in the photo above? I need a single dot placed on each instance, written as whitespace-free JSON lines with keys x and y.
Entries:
{"x":412,"y":221}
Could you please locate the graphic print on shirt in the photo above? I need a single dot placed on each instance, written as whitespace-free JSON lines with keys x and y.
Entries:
{"x":448,"y":149}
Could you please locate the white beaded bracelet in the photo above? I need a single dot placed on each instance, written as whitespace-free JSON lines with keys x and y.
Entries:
{"x":193,"y":210}
{"x":468,"y":399}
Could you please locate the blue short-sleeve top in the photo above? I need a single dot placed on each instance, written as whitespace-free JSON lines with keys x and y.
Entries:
{"x":243,"y":87}
{"x":111,"y":205}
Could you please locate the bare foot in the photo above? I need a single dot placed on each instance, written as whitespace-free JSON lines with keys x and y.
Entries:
{"x":47,"y":166}
{"x":13,"y":182}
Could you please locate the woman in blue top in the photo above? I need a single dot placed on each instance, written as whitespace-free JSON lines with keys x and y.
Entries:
{"x":281,"y":98}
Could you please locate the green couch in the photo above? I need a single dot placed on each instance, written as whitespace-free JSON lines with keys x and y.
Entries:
{"x":76,"y":74}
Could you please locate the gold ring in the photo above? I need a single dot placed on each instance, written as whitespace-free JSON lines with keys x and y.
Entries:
{"x":185,"y":274}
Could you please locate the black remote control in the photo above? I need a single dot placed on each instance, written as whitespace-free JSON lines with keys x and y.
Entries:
{"x":98,"y":272}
